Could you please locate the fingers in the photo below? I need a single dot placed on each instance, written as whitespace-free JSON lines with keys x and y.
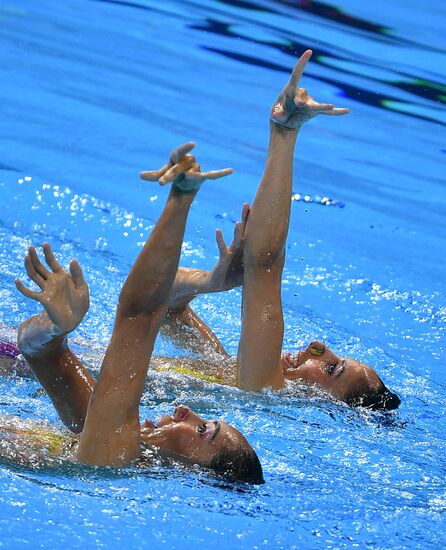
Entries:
{"x":38,"y":266}
{"x":318,"y":107}
{"x":154,"y":175}
{"x":239,"y":229}
{"x":178,"y":153}
{"x":298,"y":70}
{"x":222,"y":248}
{"x":50,"y":258}
{"x":183,"y":165}
{"x":32,"y":273}
{"x":215,"y":174}
{"x":336,"y":111}
{"x":26,"y":291}
{"x":76,"y":274}
{"x":245,"y":213}
{"x":238,"y":236}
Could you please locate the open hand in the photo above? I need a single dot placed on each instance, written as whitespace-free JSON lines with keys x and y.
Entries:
{"x":183,"y":170}
{"x":228,"y":271}
{"x":64,"y":295}
{"x":294,"y":106}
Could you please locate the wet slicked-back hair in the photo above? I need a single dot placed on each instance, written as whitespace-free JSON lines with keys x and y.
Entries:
{"x":238,"y":464}
{"x":378,"y":400}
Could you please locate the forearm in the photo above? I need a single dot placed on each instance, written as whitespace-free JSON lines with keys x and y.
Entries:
{"x":65,"y":379}
{"x":267,"y":226}
{"x":189,"y":283}
{"x":188,"y":331}
{"x":150,"y":281}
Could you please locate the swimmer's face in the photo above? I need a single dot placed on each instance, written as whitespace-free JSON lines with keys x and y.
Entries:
{"x":343,"y":377}
{"x":186,"y":434}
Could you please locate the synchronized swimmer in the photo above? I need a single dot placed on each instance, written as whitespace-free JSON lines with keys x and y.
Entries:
{"x":157,"y":294}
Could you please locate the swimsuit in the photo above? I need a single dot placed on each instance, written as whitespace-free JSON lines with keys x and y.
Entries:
{"x":8,"y":349}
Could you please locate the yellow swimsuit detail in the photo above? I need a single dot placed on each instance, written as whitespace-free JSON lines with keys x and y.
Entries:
{"x":190,"y":372}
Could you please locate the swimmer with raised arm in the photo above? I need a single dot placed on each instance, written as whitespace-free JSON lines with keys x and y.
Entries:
{"x":256,"y":258}
{"x":262,"y":237}
{"x":106,"y":413}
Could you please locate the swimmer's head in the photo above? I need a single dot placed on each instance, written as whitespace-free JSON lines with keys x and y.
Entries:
{"x":344,"y":378}
{"x":209,"y":443}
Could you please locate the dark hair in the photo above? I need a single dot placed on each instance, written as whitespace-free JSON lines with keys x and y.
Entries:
{"x":379,"y":400}
{"x":238,"y":464}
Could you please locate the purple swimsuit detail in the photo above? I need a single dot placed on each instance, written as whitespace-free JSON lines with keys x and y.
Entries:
{"x":7,"y":349}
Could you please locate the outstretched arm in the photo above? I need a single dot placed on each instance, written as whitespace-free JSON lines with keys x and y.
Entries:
{"x":42,"y":339}
{"x":266,"y":232}
{"x":181,"y":324}
{"x":111,"y":434}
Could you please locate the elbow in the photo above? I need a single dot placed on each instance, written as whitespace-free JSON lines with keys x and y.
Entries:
{"x":264,"y":254}
{"x":133,"y":304}
{"x":265,"y":259}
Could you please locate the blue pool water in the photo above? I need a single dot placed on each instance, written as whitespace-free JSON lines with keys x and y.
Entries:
{"x":92,"y":91}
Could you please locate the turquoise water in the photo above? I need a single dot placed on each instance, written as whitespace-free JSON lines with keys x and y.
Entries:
{"x":94,"y":91}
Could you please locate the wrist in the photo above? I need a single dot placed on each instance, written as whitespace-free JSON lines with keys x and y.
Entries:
{"x":283,"y":131}
{"x":40,"y":336}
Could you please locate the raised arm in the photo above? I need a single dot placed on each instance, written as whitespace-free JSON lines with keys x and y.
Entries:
{"x":266,"y":232}
{"x":181,"y":324}
{"x":42,"y":339}
{"x":111,"y":434}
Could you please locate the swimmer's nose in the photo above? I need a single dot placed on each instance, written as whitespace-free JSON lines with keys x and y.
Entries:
{"x":316,"y":348}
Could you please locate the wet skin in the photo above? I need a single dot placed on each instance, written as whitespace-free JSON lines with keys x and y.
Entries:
{"x":190,"y":436}
{"x":342,"y":377}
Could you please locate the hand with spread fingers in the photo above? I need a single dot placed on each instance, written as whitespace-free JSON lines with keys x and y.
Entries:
{"x":183,"y":170}
{"x":64,"y":295}
{"x":294,"y":106}
{"x":228,"y":271}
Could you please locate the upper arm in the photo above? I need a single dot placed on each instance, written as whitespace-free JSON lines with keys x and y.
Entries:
{"x":261,"y":337}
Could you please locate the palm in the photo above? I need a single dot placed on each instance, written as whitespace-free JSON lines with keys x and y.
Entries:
{"x":65,"y":304}
{"x":64,"y":295}
{"x":294,"y":106}
{"x":228,"y":272}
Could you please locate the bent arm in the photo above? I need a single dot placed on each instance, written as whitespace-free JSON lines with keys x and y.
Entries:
{"x":65,"y":379}
{"x":182,"y":324}
{"x":42,"y":339}
{"x":188,"y":331}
